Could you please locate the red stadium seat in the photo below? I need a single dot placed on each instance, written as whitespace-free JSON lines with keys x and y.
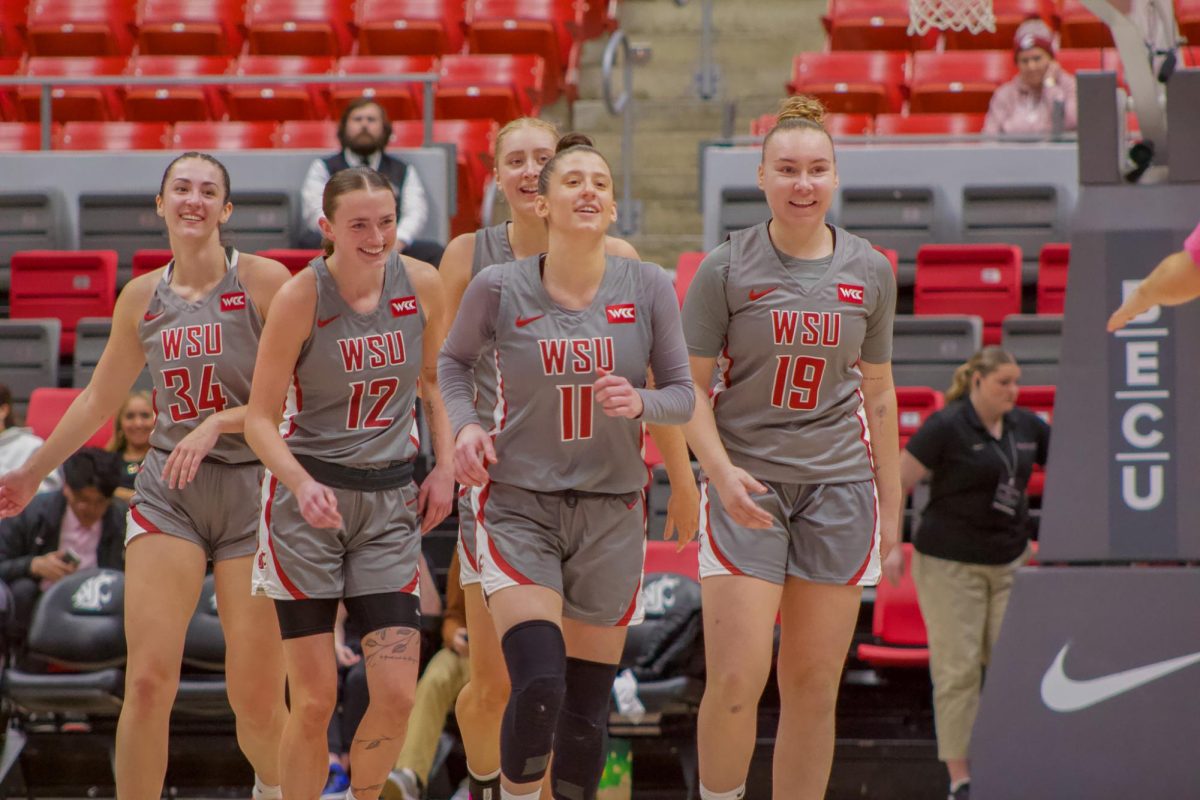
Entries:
{"x":897,"y":624}
{"x":474,"y":141}
{"x":175,"y":103}
{"x":73,"y":102}
{"x":835,"y":124}
{"x":867,"y":82}
{"x":535,"y":27}
{"x":223,"y":135}
{"x":112,"y":136}
{"x":149,"y":260}
{"x":12,"y":29}
{"x":491,"y":87}
{"x":1079,"y":27}
{"x":1009,"y":15}
{"x":294,"y":260}
{"x":891,"y":255}
{"x":980,"y":279}
{"x":685,"y":270}
{"x":20,"y":136}
{"x":64,"y":284}
{"x":916,"y":404}
{"x":1039,"y":400}
{"x":47,"y":405}
{"x":1079,"y":59}
{"x":958,"y":80}
{"x":299,"y":27}
{"x":315,"y":134}
{"x":279,"y":101}
{"x":872,"y":25}
{"x":598,"y":18}
{"x":1187,"y":16}
{"x":410,"y":27}
{"x":8,"y":94}
{"x":400,"y":100}
{"x":80,"y":27}
{"x":190,"y":27}
{"x":928,"y":124}
{"x":662,"y":557}
{"x":1052,"y":278}
{"x":1191,"y":56}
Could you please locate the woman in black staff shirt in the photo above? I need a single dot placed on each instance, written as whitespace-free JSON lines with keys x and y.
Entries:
{"x":979,"y":452}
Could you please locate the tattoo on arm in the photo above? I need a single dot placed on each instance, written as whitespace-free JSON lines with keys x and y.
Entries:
{"x":427,"y":408}
{"x":392,"y":644}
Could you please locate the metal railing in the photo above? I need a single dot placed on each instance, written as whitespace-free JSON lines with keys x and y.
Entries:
{"x":629,"y":211}
{"x":50,"y":82}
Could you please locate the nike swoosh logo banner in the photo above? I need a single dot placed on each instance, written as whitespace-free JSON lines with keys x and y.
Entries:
{"x":1065,"y":695}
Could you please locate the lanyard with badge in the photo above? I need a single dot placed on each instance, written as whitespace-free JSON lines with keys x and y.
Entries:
{"x":1008,"y":497}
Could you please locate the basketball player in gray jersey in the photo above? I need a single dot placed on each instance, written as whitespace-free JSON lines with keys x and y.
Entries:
{"x":799,"y":450}
{"x":522,"y":148}
{"x":560,"y":531}
{"x":352,"y":335}
{"x":195,"y":323}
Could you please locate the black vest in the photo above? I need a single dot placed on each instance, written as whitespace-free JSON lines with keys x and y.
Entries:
{"x":392,"y":168}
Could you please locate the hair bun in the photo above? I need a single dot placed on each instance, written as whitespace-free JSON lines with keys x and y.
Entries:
{"x":802,"y":106}
{"x":573,"y":139}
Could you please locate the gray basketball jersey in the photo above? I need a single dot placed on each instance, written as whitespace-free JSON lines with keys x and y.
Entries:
{"x":491,"y":247}
{"x":550,"y":434}
{"x":788,"y":394}
{"x":355,"y":387}
{"x":201,"y":359}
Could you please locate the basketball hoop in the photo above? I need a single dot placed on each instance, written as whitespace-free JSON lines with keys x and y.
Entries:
{"x":973,"y":16}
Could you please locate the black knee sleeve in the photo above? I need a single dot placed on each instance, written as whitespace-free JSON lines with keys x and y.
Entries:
{"x":306,"y":617}
{"x":536,"y":658}
{"x":373,"y":612}
{"x":582,"y":725}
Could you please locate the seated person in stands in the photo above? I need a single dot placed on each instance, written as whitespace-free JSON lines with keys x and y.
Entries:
{"x":1175,"y":280}
{"x":60,"y":532}
{"x":364,"y":132}
{"x":17,"y":443}
{"x":131,"y":438}
{"x":1041,"y":98}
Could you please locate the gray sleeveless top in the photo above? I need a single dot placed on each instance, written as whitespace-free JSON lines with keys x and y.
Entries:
{"x":788,"y":395}
{"x":201,"y":359}
{"x":491,"y":247}
{"x":354,"y":391}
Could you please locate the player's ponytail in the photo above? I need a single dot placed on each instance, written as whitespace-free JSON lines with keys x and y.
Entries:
{"x":570,"y":143}
{"x":798,"y":112}
{"x":350,"y":180}
{"x":983,"y":363}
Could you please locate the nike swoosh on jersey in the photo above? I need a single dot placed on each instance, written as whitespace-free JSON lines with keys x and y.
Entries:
{"x":321,"y":323}
{"x":148,"y":317}
{"x":523,"y":321}
{"x":1063,"y":694}
{"x":759,"y":295}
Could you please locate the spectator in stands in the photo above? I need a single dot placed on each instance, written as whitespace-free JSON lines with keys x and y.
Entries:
{"x":364,"y":132}
{"x":131,"y":438}
{"x":1041,"y":98}
{"x":437,"y":690}
{"x":1175,"y":280}
{"x":60,"y":532}
{"x":978,"y":452}
{"x":17,"y":443}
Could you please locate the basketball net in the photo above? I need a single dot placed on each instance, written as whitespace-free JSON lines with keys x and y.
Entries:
{"x":973,"y":16}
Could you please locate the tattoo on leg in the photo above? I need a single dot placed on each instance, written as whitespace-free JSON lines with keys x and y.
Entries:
{"x":392,"y":644}
{"x":372,"y":788}
{"x":371,"y":744}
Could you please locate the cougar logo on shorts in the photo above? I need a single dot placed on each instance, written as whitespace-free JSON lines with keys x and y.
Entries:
{"x":849,"y":293}
{"x":403,"y":306}
{"x":95,"y":593}
{"x":262,"y":560}
{"x":659,"y":595}
{"x":621,"y":314}
{"x":233,"y":301}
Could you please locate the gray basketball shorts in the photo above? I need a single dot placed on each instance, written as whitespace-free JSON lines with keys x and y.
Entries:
{"x":218,"y":510}
{"x":468,"y":509}
{"x":376,"y":551}
{"x":825,"y":533}
{"x":589,"y":548}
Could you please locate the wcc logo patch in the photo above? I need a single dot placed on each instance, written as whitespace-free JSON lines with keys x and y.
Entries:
{"x":404,"y":306}
{"x":849,"y":293}
{"x":621,"y":314}
{"x":233,"y":301}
